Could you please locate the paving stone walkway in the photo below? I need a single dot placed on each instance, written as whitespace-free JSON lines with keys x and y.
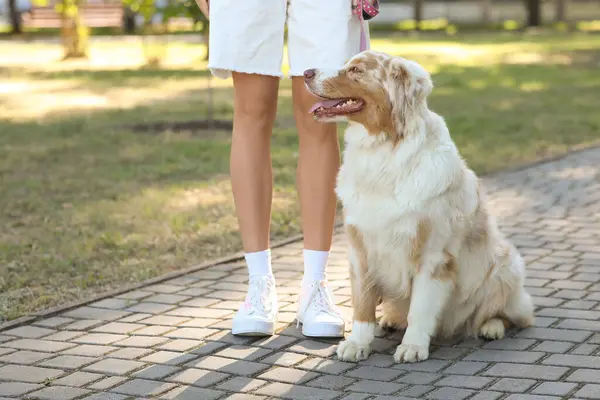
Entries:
{"x":172,"y":340}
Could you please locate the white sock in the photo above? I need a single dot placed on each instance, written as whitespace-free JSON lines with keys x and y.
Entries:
{"x":315,"y":265}
{"x":259,"y":263}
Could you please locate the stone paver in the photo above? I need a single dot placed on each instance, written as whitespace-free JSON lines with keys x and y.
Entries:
{"x":172,"y":340}
{"x":59,"y":392}
{"x":17,"y":388}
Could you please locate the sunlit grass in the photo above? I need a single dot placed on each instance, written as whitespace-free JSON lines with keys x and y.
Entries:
{"x":589,"y":26}
{"x":89,"y":205}
{"x":426,"y":25}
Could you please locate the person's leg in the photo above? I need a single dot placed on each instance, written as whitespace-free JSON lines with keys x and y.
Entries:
{"x":321,"y":35}
{"x":318,"y":164}
{"x":255,"y":106}
{"x":249,"y":47}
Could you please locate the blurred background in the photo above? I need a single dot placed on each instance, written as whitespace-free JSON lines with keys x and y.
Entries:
{"x":114,"y":139}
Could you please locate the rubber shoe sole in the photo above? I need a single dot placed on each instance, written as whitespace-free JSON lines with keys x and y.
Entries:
{"x":323,"y":330}
{"x":253,"y":328}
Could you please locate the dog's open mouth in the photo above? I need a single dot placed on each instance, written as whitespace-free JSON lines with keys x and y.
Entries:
{"x":335,"y":107}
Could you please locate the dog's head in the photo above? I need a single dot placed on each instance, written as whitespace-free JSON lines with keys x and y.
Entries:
{"x":382,"y":92}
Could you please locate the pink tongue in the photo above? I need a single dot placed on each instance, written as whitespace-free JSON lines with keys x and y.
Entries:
{"x":325,"y":104}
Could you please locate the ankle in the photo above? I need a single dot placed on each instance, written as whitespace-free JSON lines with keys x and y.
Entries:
{"x":259,"y":263}
{"x":315,"y":265}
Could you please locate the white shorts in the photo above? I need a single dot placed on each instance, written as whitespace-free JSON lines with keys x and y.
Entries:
{"x":248,"y":35}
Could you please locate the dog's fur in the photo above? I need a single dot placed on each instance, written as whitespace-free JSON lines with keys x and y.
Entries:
{"x":421,"y":238}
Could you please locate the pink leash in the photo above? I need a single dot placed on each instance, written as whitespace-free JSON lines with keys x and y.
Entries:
{"x":365,"y":11}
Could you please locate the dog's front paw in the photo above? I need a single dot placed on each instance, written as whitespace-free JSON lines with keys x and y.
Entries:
{"x":492,"y":329}
{"x":410,"y":353}
{"x":349,"y":350}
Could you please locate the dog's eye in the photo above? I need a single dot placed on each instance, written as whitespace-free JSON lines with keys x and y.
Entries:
{"x":354,"y":70}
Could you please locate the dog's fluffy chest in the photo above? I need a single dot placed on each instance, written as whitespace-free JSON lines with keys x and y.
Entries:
{"x":376,"y":210}
{"x":386,"y":205}
{"x":388,"y":229}
{"x":382,"y":190}
{"x":389,"y":194}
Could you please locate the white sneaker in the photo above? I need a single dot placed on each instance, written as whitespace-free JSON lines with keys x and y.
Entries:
{"x":258,"y":314}
{"x":317,"y":311}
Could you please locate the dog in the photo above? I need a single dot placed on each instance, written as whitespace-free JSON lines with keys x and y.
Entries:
{"x":421,"y":240}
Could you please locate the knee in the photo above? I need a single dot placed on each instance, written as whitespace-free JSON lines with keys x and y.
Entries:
{"x":253,"y":121}
{"x":255,"y":113}
{"x":314,"y":132}
{"x":258,"y":111}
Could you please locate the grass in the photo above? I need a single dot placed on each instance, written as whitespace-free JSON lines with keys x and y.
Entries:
{"x":89,"y":205}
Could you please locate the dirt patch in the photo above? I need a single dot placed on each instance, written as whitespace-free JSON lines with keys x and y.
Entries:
{"x":175,"y":126}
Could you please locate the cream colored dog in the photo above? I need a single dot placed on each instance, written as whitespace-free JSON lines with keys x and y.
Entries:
{"x":421,"y":238}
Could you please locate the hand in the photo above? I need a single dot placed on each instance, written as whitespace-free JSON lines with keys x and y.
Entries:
{"x":355,"y":2}
{"x":204,"y":7}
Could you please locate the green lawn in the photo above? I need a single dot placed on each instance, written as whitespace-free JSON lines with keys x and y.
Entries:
{"x":88,"y":204}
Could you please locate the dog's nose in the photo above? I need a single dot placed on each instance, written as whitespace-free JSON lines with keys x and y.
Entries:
{"x":309,"y":74}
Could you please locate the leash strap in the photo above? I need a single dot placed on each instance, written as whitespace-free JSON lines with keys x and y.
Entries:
{"x":365,"y":11}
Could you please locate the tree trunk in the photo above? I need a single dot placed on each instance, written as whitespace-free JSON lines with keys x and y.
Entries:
{"x":418,"y":10}
{"x":210,"y":105}
{"x":205,"y":33}
{"x":534,"y":13}
{"x":73,"y":33}
{"x":486,"y":11}
{"x":129,"y":21}
{"x":15,"y":17}
{"x":561,"y":10}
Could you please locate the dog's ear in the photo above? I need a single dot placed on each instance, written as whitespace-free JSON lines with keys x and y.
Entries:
{"x":423,"y":86}
{"x":399,"y":78}
{"x":411,"y":80}
{"x":411,"y":86}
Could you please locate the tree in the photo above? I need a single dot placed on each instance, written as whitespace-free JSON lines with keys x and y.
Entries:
{"x":486,"y":11}
{"x":74,"y":33}
{"x":561,"y":10}
{"x":418,"y":13}
{"x":15,"y":17}
{"x":534,"y":12}
{"x":129,"y":20}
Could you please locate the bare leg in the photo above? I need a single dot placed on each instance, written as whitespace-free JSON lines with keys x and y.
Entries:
{"x":318,"y":164}
{"x":255,"y":106}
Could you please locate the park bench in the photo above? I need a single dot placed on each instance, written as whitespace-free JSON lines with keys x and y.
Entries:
{"x":92,"y":15}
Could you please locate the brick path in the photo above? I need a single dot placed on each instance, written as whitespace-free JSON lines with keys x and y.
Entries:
{"x":172,"y":340}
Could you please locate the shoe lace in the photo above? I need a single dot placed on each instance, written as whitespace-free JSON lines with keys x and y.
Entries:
{"x":319,"y":301}
{"x":258,"y":296}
